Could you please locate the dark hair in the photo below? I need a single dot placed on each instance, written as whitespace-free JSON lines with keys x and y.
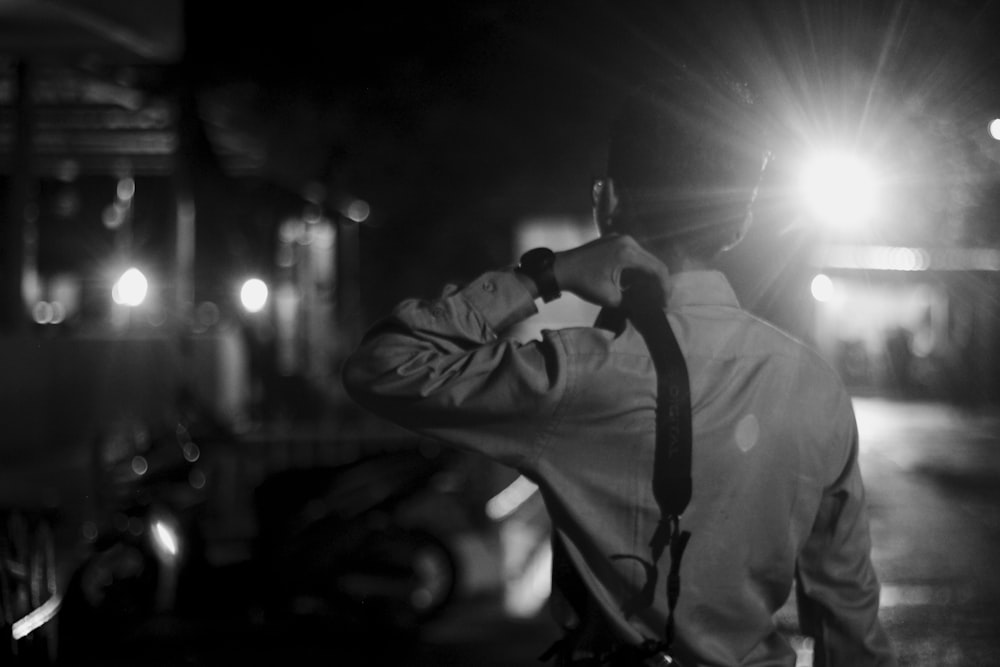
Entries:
{"x":686,"y":156}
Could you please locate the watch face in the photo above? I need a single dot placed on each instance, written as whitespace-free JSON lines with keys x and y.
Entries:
{"x":537,"y":259}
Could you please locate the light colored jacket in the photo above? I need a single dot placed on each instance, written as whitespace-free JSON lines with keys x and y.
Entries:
{"x":778,"y":503}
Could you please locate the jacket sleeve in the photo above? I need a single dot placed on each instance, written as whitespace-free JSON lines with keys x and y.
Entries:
{"x":443,"y":369}
{"x":836,"y":585}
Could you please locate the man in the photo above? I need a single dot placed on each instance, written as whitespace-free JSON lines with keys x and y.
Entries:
{"x":778,"y":502}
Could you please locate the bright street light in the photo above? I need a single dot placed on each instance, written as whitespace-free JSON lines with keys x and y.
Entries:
{"x":822,"y":288}
{"x":253,"y":295}
{"x":130,"y":289}
{"x":995,"y":128}
{"x":839,"y":189}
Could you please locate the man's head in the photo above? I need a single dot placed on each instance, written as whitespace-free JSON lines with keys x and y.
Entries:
{"x":685,"y":159}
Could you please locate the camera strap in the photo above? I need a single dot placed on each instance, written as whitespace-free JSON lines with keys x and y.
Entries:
{"x":671,"y":484}
{"x":643,"y":304}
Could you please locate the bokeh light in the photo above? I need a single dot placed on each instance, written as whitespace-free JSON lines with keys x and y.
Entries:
{"x":48,"y":312}
{"x":358,"y":210}
{"x":253,"y":295}
{"x":822,"y":288}
{"x":995,"y":128}
{"x":126,"y":189}
{"x":131,"y":288}
{"x":166,"y":540}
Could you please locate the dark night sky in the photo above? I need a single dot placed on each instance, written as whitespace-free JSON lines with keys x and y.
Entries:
{"x":456,"y":120}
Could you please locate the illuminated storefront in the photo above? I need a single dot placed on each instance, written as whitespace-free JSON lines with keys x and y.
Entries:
{"x":909,"y":322}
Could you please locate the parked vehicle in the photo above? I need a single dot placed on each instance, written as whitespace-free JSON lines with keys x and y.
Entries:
{"x":146,"y":542}
{"x":346,"y":544}
{"x":336,"y":541}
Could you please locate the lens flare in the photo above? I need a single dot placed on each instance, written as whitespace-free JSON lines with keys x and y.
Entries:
{"x":839,"y":189}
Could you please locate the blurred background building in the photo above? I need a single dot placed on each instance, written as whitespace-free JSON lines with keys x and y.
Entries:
{"x":150,"y":268}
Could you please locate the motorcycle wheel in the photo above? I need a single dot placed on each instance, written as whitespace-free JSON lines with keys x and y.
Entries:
{"x":409,"y":575}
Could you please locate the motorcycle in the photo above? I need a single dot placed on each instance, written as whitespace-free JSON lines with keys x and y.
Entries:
{"x":145,"y":541}
{"x":335,"y":542}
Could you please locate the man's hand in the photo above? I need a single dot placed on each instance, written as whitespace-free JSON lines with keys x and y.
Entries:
{"x":594,"y":271}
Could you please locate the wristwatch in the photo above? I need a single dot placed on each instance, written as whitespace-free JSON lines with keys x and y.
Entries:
{"x":538,"y":264}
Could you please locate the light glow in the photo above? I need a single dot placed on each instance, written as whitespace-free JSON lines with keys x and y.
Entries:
{"x":45,"y":312}
{"x":822,"y":288}
{"x":527,"y":568}
{"x":839,"y":188}
{"x":995,"y":128}
{"x":358,"y":210}
{"x":139,"y":465}
{"x":510,"y":498}
{"x":897,"y":258}
{"x":36,"y":618}
{"x":165,"y":539}
{"x":130,"y":289}
{"x":253,"y":295}
{"x":126,"y":189}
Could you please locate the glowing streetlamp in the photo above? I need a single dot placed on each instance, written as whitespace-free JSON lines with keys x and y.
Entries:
{"x":839,"y":189}
{"x":253,"y":295}
{"x":130,"y":289}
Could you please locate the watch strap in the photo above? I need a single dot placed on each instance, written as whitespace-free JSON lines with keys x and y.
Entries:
{"x":538,"y":264}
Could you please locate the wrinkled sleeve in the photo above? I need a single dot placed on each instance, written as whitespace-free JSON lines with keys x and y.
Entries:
{"x":443,"y":368}
{"x":837,"y":588}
